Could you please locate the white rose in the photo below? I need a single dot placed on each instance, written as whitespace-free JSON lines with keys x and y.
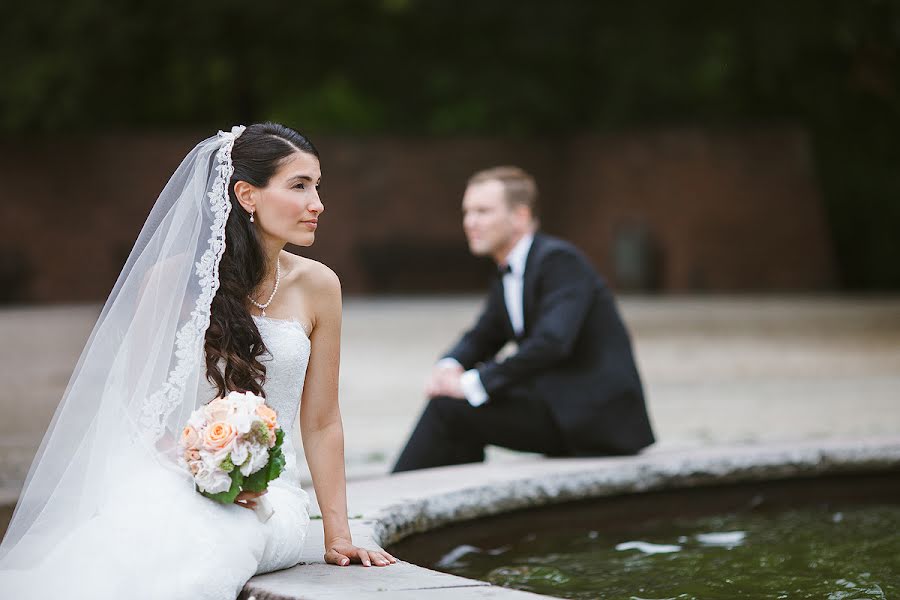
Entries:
{"x":240,"y":452}
{"x":200,"y":470}
{"x":240,"y":398}
{"x":214,"y":459}
{"x":242,"y":420}
{"x":253,"y":399}
{"x":211,"y":479}
{"x":219,"y":482}
{"x":220,"y":409}
{"x":259,"y":457}
{"x":198,"y":420}
{"x":223,"y":454}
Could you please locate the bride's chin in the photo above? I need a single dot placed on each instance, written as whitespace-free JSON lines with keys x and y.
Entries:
{"x":304,"y":240}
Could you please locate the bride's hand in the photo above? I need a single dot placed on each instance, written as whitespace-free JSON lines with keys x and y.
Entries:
{"x":247,"y":499}
{"x":343,"y":552}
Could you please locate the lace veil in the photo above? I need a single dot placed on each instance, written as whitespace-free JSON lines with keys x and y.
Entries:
{"x":139,"y":375}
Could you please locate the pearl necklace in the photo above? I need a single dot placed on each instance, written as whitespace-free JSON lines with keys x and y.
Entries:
{"x":263,"y":307}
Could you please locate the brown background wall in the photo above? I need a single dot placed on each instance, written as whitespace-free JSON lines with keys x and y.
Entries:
{"x":680,"y":210}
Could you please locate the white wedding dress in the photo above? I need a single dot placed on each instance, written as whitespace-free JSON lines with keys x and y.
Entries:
{"x":156,"y":538}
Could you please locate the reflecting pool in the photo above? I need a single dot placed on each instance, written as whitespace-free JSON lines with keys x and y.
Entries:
{"x":833,"y":538}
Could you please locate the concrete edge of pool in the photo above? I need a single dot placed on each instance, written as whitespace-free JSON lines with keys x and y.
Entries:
{"x":388,"y":509}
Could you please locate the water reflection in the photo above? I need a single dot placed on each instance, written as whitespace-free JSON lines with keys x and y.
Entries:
{"x":648,"y":548}
{"x":814,"y":553}
{"x":723,"y":539}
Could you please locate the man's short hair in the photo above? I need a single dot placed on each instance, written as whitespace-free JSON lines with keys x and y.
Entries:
{"x":520,"y":187}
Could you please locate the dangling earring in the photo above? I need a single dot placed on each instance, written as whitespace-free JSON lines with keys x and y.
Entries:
{"x":251,"y":215}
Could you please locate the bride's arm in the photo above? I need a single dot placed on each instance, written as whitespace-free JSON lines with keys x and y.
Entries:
{"x":320,"y":423}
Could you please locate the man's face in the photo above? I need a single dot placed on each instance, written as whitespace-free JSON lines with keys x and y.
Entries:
{"x":489,"y":224}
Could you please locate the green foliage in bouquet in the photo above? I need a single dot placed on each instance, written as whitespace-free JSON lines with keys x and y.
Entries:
{"x":259,"y":481}
{"x":255,"y":482}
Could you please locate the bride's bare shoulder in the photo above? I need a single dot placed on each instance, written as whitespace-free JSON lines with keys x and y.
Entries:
{"x":311,"y":276}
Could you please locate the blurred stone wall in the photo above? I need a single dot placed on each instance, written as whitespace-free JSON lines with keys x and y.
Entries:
{"x":670,"y":211}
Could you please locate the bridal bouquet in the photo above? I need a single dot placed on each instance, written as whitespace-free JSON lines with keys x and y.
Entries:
{"x":233,"y":444}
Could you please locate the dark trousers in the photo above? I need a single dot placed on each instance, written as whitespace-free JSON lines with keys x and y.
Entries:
{"x":451,"y":431}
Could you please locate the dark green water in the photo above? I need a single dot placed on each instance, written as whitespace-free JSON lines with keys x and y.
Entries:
{"x":825,"y":554}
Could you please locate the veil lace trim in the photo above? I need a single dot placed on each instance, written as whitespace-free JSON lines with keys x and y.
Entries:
{"x":158,"y":406}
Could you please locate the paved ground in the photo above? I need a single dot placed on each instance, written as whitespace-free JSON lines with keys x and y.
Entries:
{"x":717,"y":370}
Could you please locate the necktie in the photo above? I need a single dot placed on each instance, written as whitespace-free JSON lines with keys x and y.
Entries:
{"x":503,"y":270}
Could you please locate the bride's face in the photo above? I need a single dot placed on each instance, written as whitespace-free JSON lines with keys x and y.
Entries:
{"x":288,"y":208}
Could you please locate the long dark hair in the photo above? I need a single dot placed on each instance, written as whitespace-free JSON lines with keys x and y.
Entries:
{"x":232,"y":336}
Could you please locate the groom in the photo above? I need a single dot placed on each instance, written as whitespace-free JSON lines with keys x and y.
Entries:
{"x":570,"y":387}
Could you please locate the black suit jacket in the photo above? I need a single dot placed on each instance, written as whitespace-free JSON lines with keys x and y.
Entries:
{"x":575,"y":353}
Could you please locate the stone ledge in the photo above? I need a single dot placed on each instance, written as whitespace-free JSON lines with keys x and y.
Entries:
{"x":391,"y":508}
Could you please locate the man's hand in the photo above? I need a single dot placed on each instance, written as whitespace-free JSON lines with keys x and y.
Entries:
{"x":444,"y":381}
{"x":453,"y":388}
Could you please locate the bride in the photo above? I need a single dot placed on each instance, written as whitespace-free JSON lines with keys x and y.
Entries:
{"x":208,"y":302}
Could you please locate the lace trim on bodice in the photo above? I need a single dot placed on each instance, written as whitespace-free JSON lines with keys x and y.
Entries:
{"x":285,"y":322}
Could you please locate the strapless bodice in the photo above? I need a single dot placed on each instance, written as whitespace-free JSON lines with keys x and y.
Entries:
{"x":288,"y":355}
{"x":287,"y":344}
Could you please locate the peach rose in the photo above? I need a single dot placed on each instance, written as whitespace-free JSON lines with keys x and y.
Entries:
{"x":191,"y":454}
{"x":268,"y":416}
{"x":190,"y":438}
{"x":218,"y":435}
{"x":195,"y":467}
{"x":220,"y":409}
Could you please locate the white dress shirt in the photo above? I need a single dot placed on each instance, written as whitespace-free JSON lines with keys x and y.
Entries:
{"x":513,"y":294}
